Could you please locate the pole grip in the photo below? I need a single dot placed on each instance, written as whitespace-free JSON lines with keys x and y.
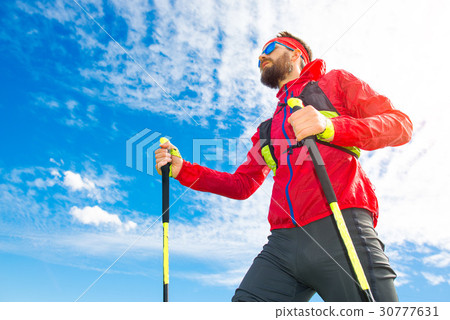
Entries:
{"x":316,"y":157}
{"x":165,"y":192}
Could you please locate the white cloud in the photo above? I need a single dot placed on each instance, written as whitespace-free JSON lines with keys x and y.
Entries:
{"x":134,"y":12}
{"x":91,"y":109}
{"x":402,"y":279}
{"x":56,"y":10}
{"x":55,"y":173}
{"x":440,"y":260}
{"x":94,"y":216}
{"x":59,"y":164}
{"x":75,"y":182}
{"x":229,"y":278}
{"x":129,"y":225}
{"x":20,"y":175}
{"x":29,"y":196}
{"x":43,"y":184}
{"x":100,"y":187}
{"x":71,"y":105}
{"x":97,"y":216}
{"x":434,"y":279}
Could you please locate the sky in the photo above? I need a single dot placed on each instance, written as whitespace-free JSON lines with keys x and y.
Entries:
{"x":88,"y":87}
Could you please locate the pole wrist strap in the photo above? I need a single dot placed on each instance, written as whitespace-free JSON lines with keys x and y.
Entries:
{"x":328,"y":132}
{"x":176,"y":153}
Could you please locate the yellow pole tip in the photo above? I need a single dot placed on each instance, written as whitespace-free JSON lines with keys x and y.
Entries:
{"x":292,"y":102}
{"x":163,"y":140}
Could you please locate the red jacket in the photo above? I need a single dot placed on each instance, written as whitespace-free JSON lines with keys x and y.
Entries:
{"x":367,"y":120}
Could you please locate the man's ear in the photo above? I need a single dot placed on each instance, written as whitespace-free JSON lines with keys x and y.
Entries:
{"x":296,"y":55}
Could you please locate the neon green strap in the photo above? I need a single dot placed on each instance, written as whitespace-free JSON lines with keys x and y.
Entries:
{"x":265,"y":151}
{"x":328,"y":132}
{"x":175,"y":152}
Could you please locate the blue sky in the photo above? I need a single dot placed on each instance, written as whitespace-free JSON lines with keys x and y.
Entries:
{"x":71,"y":98}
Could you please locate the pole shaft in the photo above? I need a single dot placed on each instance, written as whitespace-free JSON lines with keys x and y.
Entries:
{"x":328,"y":190}
{"x":165,"y":262}
{"x":327,"y":187}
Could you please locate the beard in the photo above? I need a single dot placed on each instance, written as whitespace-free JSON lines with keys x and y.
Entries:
{"x":273,"y":75}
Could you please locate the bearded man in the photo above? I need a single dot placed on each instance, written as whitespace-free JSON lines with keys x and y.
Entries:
{"x":304,"y":253}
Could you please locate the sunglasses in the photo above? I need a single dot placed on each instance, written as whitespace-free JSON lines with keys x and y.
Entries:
{"x":269,"y":48}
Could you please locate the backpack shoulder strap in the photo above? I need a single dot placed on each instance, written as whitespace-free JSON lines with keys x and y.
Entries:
{"x":313,"y":95}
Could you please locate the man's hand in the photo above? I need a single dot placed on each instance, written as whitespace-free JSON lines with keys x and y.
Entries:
{"x":163,"y":157}
{"x":308,"y":122}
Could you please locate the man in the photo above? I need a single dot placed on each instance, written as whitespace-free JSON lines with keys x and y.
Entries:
{"x":305,"y":253}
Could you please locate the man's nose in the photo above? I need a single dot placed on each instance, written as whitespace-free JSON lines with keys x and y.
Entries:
{"x":262,"y":57}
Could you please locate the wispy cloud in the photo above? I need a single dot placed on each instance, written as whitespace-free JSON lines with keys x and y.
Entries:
{"x":170,"y":52}
{"x":217,"y":233}
{"x":440,"y":260}
{"x":102,"y":188}
{"x":434,"y":279}
{"x":25,"y":192}
{"x":229,"y":278}
{"x":409,"y":182}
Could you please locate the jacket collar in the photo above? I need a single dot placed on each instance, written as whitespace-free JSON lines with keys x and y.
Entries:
{"x":313,"y":71}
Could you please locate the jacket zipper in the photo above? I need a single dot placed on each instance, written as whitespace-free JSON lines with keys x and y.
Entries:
{"x":291,"y":171}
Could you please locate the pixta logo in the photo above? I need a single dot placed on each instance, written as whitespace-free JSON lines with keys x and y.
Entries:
{"x":140,"y":150}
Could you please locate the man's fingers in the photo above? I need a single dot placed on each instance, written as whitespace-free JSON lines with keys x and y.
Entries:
{"x":309,"y":131}
{"x":161,"y":164}
{"x":162,"y":157}
{"x":307,"y":122}
{"x":166,"y":145}
{"x":168,"y":153}
{"x":300,"y":116}
{"x":161,"y":154}
{"x":302,"y":134}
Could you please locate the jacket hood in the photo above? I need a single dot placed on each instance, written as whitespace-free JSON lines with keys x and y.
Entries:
{"x":314,"y":70}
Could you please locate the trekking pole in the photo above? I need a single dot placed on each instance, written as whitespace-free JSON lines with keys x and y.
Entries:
{"x":165,"y":221}
{"x":327,"y":188}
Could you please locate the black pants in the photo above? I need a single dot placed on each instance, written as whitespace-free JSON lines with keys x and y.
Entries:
{"x":298,"y":262}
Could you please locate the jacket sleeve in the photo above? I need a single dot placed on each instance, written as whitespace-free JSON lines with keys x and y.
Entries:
{"x":239,"y":185}
{"x":368,"y":120}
